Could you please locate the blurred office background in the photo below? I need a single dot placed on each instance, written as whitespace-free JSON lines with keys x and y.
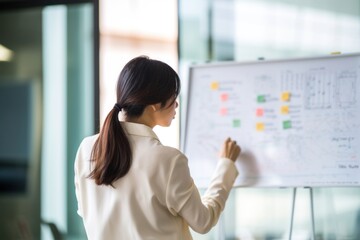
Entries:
{"x":59,"y":63}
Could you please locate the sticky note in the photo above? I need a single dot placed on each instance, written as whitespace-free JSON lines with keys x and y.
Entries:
{"x":261,"y":98}
{"x":284,"y":109}
{"x":259,"y":112}
{"x":260,"y":126}
{"x":285,"y":96}
{"x":287,"y":124}
{"x":214,"y":86}
{"x":223,"y":111}
{"x":236,"y":123}
{"x":224,"y":97}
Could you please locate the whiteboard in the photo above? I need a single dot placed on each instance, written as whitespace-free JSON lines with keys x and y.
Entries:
{"x":296,"y":120}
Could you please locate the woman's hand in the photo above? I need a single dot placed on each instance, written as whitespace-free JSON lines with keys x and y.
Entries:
{"x":230,"y":150}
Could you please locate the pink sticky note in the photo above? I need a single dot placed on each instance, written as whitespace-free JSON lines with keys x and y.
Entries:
{"x":223,"y":111}
{"x":224,"y":97}
{"x":259,"y":112}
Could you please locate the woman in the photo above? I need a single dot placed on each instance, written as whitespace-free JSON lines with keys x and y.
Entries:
{"x":128,"y":185}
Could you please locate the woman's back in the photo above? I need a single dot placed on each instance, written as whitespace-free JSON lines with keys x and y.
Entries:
{"x":136,"y":208}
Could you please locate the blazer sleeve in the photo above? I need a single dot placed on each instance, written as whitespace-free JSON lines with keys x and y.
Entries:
{"x":183,"y":197}
{"x":77,"y":179}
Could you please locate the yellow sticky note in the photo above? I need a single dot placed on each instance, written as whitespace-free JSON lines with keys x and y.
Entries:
{"x":284,"y":109}
{"x":260,"y":126}
{"x":285,"y":96}
{"x":214,"y":85}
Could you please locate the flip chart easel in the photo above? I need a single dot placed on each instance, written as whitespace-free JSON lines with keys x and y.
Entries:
{"x":311,"y":198}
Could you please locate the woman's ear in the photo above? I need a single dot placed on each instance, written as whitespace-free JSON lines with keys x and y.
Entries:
{"x":156,"y":107}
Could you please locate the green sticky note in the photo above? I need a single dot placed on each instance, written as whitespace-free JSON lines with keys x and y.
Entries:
{"x":261,"y":98}
{"x":236,"y":123}
{"x":287,"y":124}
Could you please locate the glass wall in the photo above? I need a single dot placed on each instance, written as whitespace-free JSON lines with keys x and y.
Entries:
{"x":20,"y":123}
{"x":48,"y":104}
{"x":239,"y":30}
{"x":69,"y":104}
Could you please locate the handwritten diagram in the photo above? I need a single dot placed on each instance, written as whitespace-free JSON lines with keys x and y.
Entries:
{"x":298,"y":121}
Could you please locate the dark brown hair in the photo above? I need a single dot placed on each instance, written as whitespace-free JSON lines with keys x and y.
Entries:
{"x":142,"y":82}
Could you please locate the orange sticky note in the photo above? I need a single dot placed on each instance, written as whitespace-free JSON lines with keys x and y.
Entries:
{"x":214,"y":85}
{"x":260,"y":126}
{"x":284,"y":109}
{"x":285,"y":96}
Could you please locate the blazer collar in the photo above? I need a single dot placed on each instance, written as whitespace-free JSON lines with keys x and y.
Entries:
{"x":138,"y":129}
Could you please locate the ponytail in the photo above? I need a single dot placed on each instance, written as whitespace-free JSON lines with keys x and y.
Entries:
{"x":111,"y":153}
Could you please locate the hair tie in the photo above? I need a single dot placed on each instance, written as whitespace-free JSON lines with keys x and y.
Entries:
{"x":118,"y":107}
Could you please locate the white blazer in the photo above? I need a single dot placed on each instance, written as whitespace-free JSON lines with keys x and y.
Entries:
{"x":156,"y":199}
